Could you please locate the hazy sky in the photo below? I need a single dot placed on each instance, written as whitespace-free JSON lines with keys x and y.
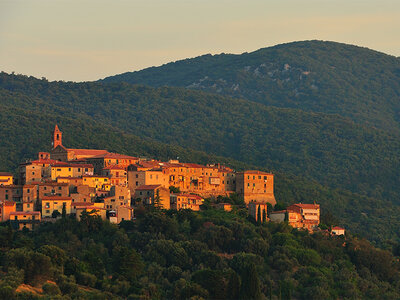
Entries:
{"x":88,"y":40}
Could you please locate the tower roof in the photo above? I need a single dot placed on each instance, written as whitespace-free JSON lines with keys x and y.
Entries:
{"x":56,"y":128}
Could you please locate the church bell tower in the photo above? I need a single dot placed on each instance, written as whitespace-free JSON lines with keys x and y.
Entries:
{"x":57,"y":138}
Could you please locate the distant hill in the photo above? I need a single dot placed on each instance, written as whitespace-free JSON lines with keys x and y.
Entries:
{"x":305,"y":150}
{"x":313,"y":76}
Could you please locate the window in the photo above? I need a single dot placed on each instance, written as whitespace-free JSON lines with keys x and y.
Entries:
{"x":33,"y":173}
{"x":16,"y":217}
{"x":45,"y":188}
{"x":265,"y":177}
{"x":86,"y":169}
{"x":137,"y":176}
{"x":59,"y":188}
{"x":254,"y":177}
{"x":248,"y":184}
{"x":69,"y":169}
{"x":6,"y":197}
{"x":151,"y":176}
{"x":47,"y":211}
{"x":265,"y":185}
{"x":259,"y":177}
{"x":28,"y":205}
{"x":248,"y":177}
{"x":58,"y":169}
{"x":140,"y":193}
{"x":137,"y":183}
{"x":55,"y":203}
{"x":29,"y":190}
{"x":79,"y":169}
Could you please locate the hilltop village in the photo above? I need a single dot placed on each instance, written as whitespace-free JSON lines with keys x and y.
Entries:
{"x":69,"y":181}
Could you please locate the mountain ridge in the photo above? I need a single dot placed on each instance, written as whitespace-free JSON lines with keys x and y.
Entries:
{"x":328,"y":77}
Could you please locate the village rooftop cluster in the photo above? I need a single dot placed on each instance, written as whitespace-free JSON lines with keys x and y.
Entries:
{"x":68,"y":181}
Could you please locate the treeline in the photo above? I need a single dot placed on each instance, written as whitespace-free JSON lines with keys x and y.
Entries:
{"x":28,"y":120}
{"x":327,"y":148}
{"x":316,"y":76}
{"x":181,"y":255}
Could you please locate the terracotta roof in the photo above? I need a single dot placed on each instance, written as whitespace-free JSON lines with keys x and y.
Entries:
{"x":53,"y":183}
{"x":81,"y":204}
{"x":69,"y":165}
{"x":114,"y":167}
{"x":110,"y":155}
{"x":56,"y":128}
{"x":29,"y":186}
{"x":91,"y":207}
{"x":60,"y":177}
{"x":19,"y":213}
{"x":255,"y":172}
{"x":42,"y":161}
{"x":306,"y":206}
{"x":5,"y":174}
{"x":4,"y":180}
{"x":337,"y":228}
{"x":9,"y":203}
{"x":190,"y":196}
{"x":93,"y":152}
{"x":148,"y":187}
{"x":55,"y":198}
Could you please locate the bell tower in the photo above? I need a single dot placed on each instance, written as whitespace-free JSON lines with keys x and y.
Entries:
{"x":57,"y":138}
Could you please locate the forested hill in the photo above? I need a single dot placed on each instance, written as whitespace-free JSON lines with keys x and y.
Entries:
{"x":303,"y":149}
{"x":317,"y":76}
{"x":328,"y":148}
{"x":190,"y":255}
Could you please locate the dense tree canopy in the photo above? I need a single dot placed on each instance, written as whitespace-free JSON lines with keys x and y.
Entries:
{"x":179,"y":255}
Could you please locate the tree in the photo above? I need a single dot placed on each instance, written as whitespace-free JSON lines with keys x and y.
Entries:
{"x":55,"y":214}
{"x":259,"y":214}
{"x":264,"y":215}
{"x":250,"y":288}
{"x":64,"y":211}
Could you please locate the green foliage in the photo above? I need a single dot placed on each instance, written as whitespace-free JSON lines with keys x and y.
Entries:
{"x":313,"y":76}
{"x":151,"y":259}
{"x":322,"y":149}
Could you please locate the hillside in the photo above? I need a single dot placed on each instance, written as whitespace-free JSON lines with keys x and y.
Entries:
{"x":327,"y":148}
{"x":301,"y":148}
{"x":315,"y":76}
{"x":190,"y":255}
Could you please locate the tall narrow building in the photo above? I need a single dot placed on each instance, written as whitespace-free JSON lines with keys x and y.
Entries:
{"x":57,"y":137}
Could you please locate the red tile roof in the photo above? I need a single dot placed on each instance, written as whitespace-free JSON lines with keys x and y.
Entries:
{"x":148,"y":187}
{"x":5,"y":174}
{"x":55,"y":198}
{"x":9,"y":203}
{"x":53,"y":183}
{"x":110,"y":155}
{"x":255,"y":172}
{"x":29,"y":186}
{"x":306,"y":206}
{"x":93,"y":152}
{"x":197,"y":197}
{"x":337,"y":228}
{"x":69,"y":165}
{"x":19,"y":213}
{"x":114,"y":167}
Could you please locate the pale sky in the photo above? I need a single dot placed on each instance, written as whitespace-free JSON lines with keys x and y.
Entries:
{"x":82,"y":40}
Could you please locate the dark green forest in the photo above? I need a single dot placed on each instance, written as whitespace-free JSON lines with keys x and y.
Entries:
{"x":330,"y":149}
{"x":315,"y":76}
{"x":351,"y":170}
{"x":191,"y":255}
